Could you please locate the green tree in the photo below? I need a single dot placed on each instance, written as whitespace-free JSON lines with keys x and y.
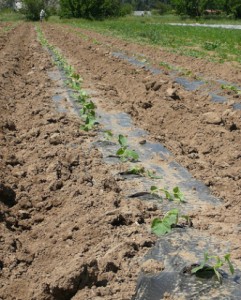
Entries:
{"x":197,"y":7}
{"x":91,"y":9}
{"x":187,"y":7}
{"x":32,"y":8}
{"x":126,"y":9}
{"x":233,"y":7}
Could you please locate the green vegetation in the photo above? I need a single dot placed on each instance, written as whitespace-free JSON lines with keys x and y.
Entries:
{"x":137,"y":170}
{"x":197,"y":8}
{"x":171,"y":218}
{"x":87,"y":111}
{"x":31,"y":9}
{"x":124,"y":153}
{"x":90,"y":9}
{"x":8,"y":26}
{"x":108,"y":135}
{"x":169,"y":221}
{"x":215,"y":44}
{"x":8,"y":15}
{"x":215,"y":263}
{"x":165,"y":225}
{"x":175,"y":195}
{"x":140,"y":170}
{"x":90,"y":123}
{"x":231,"y":88}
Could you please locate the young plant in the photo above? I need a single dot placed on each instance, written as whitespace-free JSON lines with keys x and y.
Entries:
{"x":108,"y":135}
{"x":74,"y":81}
{"x":90,"y":123}
{"x":155,"y":191}
{"x":141,"y":171}
{"x":82,"y":96}
{"x":175,"y":195}
{"x":68,"y":70}
{"x":215,"y":266}
{"x":75,"y":76}
{"x":138,"y":170}
{"x":75,"y":85}
{"x":152,"y":175}
{"x":169,"y":221}
{"x":123,"y":152}
{"x":88,"y":109}
{"x":231,"y":88}
{"x":165,"y":225}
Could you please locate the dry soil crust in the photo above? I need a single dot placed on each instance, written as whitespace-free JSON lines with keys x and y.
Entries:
{"x":204,"y":136}
{"x":66,"y":230}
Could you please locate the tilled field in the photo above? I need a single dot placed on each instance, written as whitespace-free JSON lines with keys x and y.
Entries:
{"x":67,"y":230}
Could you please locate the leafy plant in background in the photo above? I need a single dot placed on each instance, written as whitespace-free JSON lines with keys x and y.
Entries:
{"x":123,"y":152}
{"x":215,"y":263}
{"x":175,"y":195}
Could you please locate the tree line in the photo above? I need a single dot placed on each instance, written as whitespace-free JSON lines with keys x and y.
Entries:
{"x":100,"y":9}
{"x":106,"y":8}
{"x":197,"y":8}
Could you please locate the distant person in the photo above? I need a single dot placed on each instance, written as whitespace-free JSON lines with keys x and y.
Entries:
{"x":42,"y":15}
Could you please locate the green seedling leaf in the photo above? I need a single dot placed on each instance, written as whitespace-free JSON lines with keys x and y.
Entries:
{"x":161,"y":227}
{"x":122,"y":140}
{"x":178,"y":194}
{"x":75,"y":85}
{"x":168,"y":195}
{"x":214,"y":266}
{"x":201,"y":266}
{"x":152,"y":175}
{"x":218,"y":275}
{"x":108,"y":135}
{"x":76,"y":77}
{"x":123,"y":152}
{"x":89,"y":123}
{"x":137,"y":171}
{"x":231,"y":88}
{"x":120,"y":151}
{"x":69,"y":69}
{"x":130,"y":155}
{"x":227,"y":259}
{"x":154,"y":189}
{"x":90,"y":105}
{"x":171,"y":217}
{"x":188,"y":220}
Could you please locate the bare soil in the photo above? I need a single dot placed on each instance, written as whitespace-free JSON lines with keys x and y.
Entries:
{"x":67,"y":230}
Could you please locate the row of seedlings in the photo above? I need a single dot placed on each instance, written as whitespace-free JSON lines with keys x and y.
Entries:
{"x":159,"y":226}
